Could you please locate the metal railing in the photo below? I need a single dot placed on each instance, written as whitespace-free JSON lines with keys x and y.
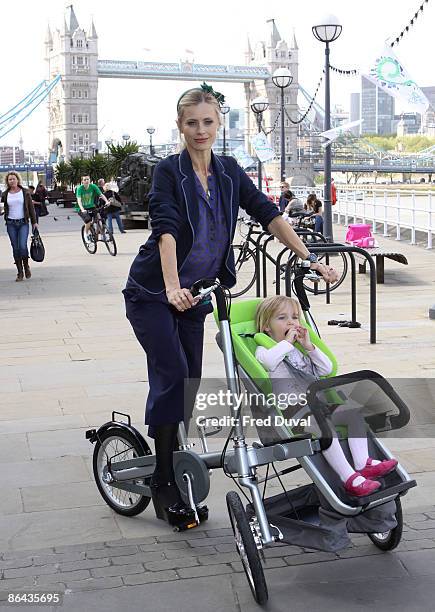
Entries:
{"x":390,"y":208}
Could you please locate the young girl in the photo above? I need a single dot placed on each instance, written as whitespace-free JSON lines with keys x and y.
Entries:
{"x":280,"y":318}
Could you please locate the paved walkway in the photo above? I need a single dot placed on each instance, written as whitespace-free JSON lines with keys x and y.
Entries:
{"x":68,"y":357}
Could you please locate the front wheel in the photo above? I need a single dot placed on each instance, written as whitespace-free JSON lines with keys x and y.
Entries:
{"x":244,"y":260}
{"x":246,"y":547}
{"x":114,"y":445}
{"x":390,"y":539}
{"x":109,"y":240}
{"x":91,"y":244}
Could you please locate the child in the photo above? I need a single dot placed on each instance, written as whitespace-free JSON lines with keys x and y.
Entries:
{"x":280,"y":318}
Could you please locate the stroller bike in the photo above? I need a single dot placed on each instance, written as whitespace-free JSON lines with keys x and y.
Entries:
{"x":319,"y":515}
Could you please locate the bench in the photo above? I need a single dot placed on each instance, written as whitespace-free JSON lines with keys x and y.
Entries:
{"x":380,"y":255}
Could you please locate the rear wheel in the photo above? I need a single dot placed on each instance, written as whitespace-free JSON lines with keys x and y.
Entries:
{"x":244,"y":260}
{"x":90,"y":245}
{"x":246,"y":547}
{"x":114,"y":445}
{"x":390,"y":539}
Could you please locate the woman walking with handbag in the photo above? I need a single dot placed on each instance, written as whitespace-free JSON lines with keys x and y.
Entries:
{"x":18,"y":211}
{"x":113,"y":210}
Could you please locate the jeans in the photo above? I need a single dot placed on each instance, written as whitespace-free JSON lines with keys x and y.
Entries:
{"x":18,"y":231}
{"x":109,"y":222}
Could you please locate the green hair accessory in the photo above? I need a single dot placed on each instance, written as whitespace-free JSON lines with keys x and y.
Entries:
{"x":206,"y":89}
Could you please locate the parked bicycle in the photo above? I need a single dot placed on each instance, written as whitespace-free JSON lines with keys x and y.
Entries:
{"x":98,"y":232}
{"x":245,"y":255}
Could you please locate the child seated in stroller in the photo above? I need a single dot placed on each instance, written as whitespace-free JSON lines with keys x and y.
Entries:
{"x":280,"y":318}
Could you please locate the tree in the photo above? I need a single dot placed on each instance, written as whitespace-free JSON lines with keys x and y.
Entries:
{"x":97,"y":167}
{"x":78,"y":169}
{"x":62,"y":174}
{"x":117,"y":155}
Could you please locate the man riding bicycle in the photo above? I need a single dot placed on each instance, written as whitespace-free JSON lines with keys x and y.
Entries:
{"x":87,"y":195}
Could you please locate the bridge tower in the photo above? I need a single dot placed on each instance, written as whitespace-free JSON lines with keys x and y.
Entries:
{"x":72,"y":52}
{"x":277,"y":53}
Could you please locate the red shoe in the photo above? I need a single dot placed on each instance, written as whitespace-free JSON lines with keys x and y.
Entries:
{"x":378,"y":470}
{"x":365,"y":488}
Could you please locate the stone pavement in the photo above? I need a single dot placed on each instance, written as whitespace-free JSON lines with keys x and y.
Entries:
{"x":68,"y":358}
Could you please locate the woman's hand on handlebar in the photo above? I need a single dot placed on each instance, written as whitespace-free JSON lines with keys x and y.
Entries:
{"x":328,"y":273}
{"x":181,"y":299}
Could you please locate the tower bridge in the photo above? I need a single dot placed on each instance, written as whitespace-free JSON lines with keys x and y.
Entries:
{"x":72,"y":52}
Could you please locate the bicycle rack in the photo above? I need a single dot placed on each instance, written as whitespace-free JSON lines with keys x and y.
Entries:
{"x":326,"y":248}
{"x":333,"y":248}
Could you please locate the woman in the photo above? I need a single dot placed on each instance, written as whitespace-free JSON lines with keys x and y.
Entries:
{"x":293,"y":203}
{"x":113,"y":210}
{"x":39,"y":196}
{"x":194,"y":204}
{"x":18,"y":210}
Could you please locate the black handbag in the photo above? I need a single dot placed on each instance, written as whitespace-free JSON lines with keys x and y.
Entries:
{"x":37,"y":249}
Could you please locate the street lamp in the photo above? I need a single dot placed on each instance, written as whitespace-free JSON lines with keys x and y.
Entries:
{"x":108,"y":142}
{"x":125,"y":138}
{"x":282,"y":78}
{"x":93,"y":148}
{"x":225,"y":109}
{"x":151,"y":130}
{"x":258,"y":106}
{"x":327,"y":30}
{"x":81,"y":150}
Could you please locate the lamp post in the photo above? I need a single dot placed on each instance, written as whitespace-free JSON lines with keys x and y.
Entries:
{"x":151,"y":131}
{"x":125,"y":138}
{"x":93,"y":148}
{"x":282,"y":78}
{"x":81,"y":150}
{"x":328,"y":30}
{"x":108,"y":142}
{"x":258,"y":106}
{"x":225,"y":109}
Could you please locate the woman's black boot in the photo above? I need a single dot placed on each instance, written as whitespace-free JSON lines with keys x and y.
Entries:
{"x":166,"y":497}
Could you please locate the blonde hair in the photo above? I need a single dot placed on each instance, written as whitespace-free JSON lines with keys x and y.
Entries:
{"x":12,"y":173}
{"x":268,"y":308}
{"x":193,"y":97}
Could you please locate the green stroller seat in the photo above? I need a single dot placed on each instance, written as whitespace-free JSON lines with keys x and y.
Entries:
{"x":257,"y":380}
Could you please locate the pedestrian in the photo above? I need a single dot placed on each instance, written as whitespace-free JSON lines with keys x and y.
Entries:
{"x":87,"y":195}
{"x":194,"y":205}
{"x":18,"y":211}
{"x":40,"y":195}
{"x":113,"y":210}
{"x":282,"y":200}
{"x":333,"y":192}
{"x":293,"y":204}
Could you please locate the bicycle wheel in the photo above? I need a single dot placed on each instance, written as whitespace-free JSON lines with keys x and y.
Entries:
{"x":109,"y":240}
{"x":390,"y":539}
{"x":340,"y":264}
{"x":91,"y":246}
{"x":246,"y":274}
{"x":247,"y":548}
{"x":117,"y":444}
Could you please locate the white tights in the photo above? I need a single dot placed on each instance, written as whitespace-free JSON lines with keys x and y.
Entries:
{"x":357,"y":440}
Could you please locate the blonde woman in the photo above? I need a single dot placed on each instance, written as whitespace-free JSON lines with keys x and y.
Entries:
{"x":18,"y":211}
{"x":194,"y":204}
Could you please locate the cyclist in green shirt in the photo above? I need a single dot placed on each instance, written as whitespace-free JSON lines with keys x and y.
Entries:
{"x":87,"y":195}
